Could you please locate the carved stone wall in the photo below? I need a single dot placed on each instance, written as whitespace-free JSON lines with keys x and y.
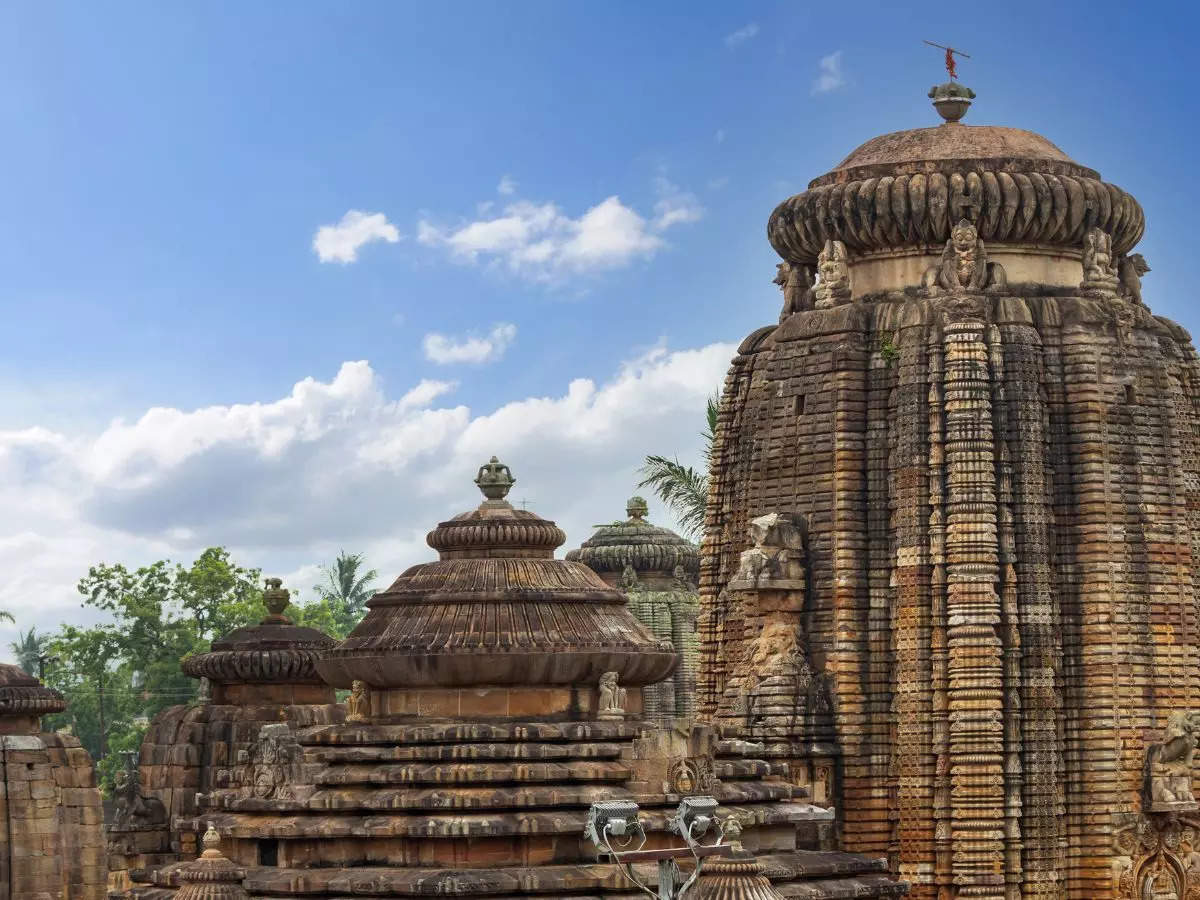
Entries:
{"x":1001,"y":494}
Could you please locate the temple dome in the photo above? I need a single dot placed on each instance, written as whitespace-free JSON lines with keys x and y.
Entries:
{"x":275,"y":651}
{"x":497,"y":608}
{"x":919,"y":149}
{"x":907,"y":189}
{"x":648,"y":549}
{"x":23,"y":695}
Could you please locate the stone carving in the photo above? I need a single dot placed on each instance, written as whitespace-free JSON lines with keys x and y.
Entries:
{"x":204,"y":691}
{"x":132,"y":809}
{"x":1169,"y":766}
{"x":1163,"y":859}
{"x":495,"y":479}
{"x":833,"y":266}
{"x":964,"y":267}
{"x":272,"y":768}
{"x":1130,"y":270}
{"x":358,"y":704}
{"x":1099,"y":266}
{"x":796,"y":281}
{"x":612,"y":698}
{"x":691,"y":776}
{"x":776,"y":559}
{"x":629,"y":579}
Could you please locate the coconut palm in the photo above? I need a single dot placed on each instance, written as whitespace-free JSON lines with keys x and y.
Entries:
{"x":29,"y":649}
{"x":680,"y":487}
{"x":347,"y":589}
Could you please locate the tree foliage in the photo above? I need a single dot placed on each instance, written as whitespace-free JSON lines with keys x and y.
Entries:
{"x":29,"y":649}
{"x":680,"y":487}
{"x":344,"y":595}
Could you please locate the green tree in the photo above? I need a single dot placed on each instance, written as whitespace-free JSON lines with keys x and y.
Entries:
{"x":346,"y":590}
{"x":29,"y":649}
{"x":680,"y":487}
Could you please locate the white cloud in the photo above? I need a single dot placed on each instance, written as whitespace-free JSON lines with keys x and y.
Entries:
{"x":507,"y":186}
{"x":743,"y":34}
{"x":674,"y":207}
{"x":831,"y":76}
{"x":475,"y":349}
{"x":341,"y":242}
{"x":286,"y":483}
{"x":541,"y":242}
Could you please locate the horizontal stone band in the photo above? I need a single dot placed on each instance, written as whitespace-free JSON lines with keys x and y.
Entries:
{"x":919,"y":209}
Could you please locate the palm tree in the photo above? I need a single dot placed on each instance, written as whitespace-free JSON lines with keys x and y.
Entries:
{"x":680,"y":487}
{"x":29,"y":648}
{"x":345,"y":590}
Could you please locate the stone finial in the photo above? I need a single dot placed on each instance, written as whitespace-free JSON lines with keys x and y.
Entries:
{"x":637,"y":508}
{"x":495,"y":479}
{"x":212,"y":842}
{"x":276,"y":598}
{"x":951,"y":100}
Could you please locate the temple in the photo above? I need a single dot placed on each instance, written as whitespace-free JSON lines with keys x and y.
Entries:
{"x":656,"y":569}
{"x":960,"y":479}
{"x":494,"y":695}
{"x":50,"y":809}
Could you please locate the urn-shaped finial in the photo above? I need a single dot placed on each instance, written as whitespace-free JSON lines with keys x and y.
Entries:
{"x":637,"y":508}
{"x":951,"y":100}
{"x":495,"y":479}
{"x":276,"y":597}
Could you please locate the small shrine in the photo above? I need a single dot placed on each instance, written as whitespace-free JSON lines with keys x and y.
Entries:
{"x":656,"y":570}
{"x":254,"y":676}
{"x":51,"y":843}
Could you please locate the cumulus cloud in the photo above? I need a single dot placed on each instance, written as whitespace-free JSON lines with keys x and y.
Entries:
{"x":831,"y":76}
{"x":444,"y":350}
{"x":743,"y":34}
{"x":541,"y":242}
{"x":286,"y":483}
{"x":341,"y":242}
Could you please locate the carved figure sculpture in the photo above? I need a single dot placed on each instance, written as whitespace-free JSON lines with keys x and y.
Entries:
{"x":796,"y":282}
{"x":1169,"y":765}
{"x":358,"y":704}
{"x":132,"y":809}
{"x":776,"y":554}
{"x":1098,"y":264}
{"x":964,"y":266}
{"x":612,"y":698}
{"x":833,"y":265}
{"x":1130,"y":271}
{"x":629,"y":579}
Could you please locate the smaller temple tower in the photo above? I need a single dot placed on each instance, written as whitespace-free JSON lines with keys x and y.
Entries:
{"x":51,"y":843}
{"x":656,"y":569}
{"x":254,"y":676}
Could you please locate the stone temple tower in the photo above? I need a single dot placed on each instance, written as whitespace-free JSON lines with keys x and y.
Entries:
{"x":991,"y":447}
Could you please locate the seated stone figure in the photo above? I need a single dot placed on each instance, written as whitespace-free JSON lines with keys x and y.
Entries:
{"x":612,"y":698}
{"x":1169,"y":765}
{"x":964,"y":267}
{"x":132,"y":809}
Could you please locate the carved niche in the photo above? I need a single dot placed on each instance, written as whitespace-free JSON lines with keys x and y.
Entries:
{"x":1099,"y":267}
{"x":612,"y":698}
{"x":1163,"y":859}
{"x":833,"y":266}
{"x":272,"y":768}
{"x":964,"y":267}
{"x":776,"y":560}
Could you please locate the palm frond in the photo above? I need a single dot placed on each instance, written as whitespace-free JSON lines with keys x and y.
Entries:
{"x":680,"y":487}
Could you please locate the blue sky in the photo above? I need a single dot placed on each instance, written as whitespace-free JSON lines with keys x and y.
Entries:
{"x":170,"y":166}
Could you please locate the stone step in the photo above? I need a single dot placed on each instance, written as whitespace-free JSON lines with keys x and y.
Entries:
{"x":820,"y":864}
{"x":447,"y":798}
{"x":471,"y":773}
{"x":465,"y":732}
{"x":441,"y":752}
{"x":554,"y":881}
{"x":458,"y":824}
{"x":851,"y":887}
